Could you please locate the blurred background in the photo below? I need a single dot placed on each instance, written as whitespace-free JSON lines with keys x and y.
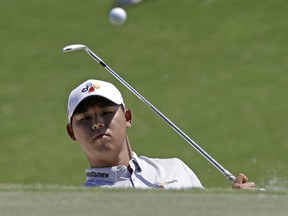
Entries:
{"x":216,"y":68}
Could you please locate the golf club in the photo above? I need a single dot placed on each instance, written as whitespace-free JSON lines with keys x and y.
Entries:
{"x":225,"y":172}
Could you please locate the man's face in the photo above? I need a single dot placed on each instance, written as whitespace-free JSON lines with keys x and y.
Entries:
{"x":99,"y":126}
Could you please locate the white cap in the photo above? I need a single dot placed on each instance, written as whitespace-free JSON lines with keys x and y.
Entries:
{"x":93,"y":87}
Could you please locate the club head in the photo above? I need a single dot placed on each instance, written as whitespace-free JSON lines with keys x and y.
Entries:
{"x":74,"y":47}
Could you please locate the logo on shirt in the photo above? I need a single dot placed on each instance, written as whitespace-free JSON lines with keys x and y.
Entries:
{"x":90,"y":87}
{"x":164,"y":184}
{"x":97,"y":174}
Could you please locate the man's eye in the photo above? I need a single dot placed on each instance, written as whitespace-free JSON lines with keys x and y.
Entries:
{"x":85,"y":118}
{"x":107,"y":113}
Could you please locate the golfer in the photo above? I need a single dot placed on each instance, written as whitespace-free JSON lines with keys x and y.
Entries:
{"x":98,"y":121}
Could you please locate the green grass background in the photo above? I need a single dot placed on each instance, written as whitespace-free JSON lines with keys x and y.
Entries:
{"x":216,"y":68}
{"x":62,"y":200}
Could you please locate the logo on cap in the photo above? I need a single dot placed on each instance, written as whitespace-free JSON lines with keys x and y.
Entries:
{"x":90,"y":87}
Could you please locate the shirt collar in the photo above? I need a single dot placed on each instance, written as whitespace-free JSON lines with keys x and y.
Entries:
{"x":134,"y":163}
{"x":113,"y":174}
{"x":107,"y":174}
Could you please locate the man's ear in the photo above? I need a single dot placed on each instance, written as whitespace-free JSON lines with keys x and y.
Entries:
{"x":70,"y":131}
{"x":128,"y":116}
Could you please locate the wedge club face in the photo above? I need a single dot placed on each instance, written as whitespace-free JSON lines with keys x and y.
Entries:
{"x":74,"y":47}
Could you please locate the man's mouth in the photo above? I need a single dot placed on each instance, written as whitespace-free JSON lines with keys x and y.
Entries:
{"x":99,"y":136}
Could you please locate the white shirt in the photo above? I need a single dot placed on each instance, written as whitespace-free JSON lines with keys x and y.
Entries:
{"x":144,"y":172}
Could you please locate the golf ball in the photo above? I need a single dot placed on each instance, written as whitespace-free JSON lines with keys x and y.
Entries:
{"x":117,"y":16}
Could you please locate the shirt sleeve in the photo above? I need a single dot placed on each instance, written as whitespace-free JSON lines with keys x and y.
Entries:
{"x":191,"y":176}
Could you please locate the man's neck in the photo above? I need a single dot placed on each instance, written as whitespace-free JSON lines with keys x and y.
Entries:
{"x":109,"y":160}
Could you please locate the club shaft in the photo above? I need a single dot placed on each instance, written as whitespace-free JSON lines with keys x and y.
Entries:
{"x":225,"y":172}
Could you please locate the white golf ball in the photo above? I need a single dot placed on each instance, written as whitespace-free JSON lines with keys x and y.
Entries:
{"x":117,"y":16}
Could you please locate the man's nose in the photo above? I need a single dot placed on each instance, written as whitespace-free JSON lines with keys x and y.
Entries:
{"x":97,"y":123}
